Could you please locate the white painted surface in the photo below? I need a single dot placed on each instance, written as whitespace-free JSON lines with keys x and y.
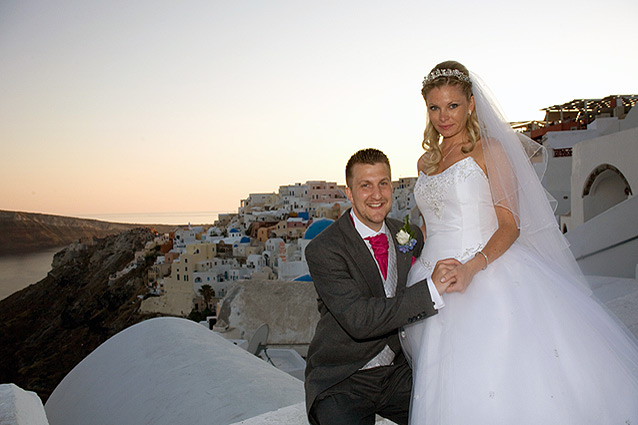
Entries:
{"x":618,"y":149}
{"x":607,"y":245}
{"x":20,"y":407}
{"x":170,"y":371}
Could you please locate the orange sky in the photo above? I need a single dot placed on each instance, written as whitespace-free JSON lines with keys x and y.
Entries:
{"x":121,"y":107}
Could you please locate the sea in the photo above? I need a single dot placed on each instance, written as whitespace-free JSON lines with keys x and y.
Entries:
{"x":176,"y":218}
{"x":19,"y":271}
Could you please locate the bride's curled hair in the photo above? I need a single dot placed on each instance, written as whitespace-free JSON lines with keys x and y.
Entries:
{"x":431,"y":136}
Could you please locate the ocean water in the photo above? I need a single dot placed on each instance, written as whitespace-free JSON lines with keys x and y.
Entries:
{"x":19,"y":271}
{"x":177,"y":218}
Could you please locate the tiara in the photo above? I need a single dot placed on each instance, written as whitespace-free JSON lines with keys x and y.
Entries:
{"x":445,"y":73}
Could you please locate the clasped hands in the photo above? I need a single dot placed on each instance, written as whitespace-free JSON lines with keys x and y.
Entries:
{"x":450,"y":275}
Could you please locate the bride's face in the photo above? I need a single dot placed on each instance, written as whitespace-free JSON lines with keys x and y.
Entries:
{"x":448,"y":110}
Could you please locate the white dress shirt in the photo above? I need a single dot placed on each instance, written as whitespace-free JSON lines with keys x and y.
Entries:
{"x":364,"y":231}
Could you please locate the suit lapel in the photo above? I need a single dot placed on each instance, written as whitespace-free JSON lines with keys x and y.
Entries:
{"x":360,"y":254}
{"x":404,"y":261}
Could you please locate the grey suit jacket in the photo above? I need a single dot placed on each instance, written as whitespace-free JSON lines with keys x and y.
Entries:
{"x":356,"y":319}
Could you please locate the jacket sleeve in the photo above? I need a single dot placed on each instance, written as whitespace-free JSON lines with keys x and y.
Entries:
{"x":341,"y":287}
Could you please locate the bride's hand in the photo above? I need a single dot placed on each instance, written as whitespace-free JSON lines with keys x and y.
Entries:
{"x":462,"y":276}
{"x":442,"y":267}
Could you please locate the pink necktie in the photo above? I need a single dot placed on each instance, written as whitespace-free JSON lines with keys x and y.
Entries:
{"x":380,"y":246}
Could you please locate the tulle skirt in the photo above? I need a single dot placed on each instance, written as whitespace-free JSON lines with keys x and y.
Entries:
{"x":523,"y":345}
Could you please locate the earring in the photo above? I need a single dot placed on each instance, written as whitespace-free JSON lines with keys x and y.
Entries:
{"x":469,"y":113}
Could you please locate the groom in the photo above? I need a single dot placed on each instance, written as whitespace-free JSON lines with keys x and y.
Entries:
{"x":355,"y":366}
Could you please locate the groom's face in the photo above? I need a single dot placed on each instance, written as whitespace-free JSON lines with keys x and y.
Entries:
{"x":370,"y":192}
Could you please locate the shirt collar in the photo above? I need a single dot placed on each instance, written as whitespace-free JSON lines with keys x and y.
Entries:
{"x":363,"y":230}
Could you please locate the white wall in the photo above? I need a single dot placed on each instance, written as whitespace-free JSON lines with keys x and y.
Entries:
{"x":607,"y":245}
{"x":618,"y":149}
{"x":557,"y":181}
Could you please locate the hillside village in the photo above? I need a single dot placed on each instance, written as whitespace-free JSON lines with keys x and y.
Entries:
{"x":264,"y":240}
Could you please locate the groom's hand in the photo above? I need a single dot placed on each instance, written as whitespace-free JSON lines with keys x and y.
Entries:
{"x":441,"y":268}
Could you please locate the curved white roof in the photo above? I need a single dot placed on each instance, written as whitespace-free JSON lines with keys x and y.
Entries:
{"x":170,"y":371}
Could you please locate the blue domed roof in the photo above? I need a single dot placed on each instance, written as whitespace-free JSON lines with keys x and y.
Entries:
{"x":245,"y":239}
{"x":303,"y":278}
{"x":317,"y":227}
{"x":233,"y":230}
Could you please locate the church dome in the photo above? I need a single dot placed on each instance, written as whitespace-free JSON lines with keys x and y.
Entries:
{"x":317,"y":227}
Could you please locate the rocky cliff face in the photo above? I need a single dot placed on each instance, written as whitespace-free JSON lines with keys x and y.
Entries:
{"x":22,"y":232}
{"x":288,"y":308}
{"x":49,"y":327}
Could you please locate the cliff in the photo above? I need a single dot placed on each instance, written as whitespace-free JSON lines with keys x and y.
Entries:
{"x":22,"y":232}
{"x":49,"y":327}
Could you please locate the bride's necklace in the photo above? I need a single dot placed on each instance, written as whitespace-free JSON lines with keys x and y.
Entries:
{"x":452,"y":149}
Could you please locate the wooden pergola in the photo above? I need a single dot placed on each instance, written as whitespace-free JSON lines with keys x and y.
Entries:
{"x":578,"y":109}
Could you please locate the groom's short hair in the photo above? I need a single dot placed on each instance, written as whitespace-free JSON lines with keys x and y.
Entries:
{"x":368,"y":156}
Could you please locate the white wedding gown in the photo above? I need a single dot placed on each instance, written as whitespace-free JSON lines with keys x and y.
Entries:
{"x":523,"y":344}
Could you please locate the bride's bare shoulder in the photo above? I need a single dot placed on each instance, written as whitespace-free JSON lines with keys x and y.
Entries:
{"x":477,"y":155}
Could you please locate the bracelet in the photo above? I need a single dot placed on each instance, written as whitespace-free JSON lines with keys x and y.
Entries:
{"x":487,"y":262}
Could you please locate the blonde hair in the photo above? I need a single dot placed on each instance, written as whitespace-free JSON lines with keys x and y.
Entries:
{"x":433,"y":154}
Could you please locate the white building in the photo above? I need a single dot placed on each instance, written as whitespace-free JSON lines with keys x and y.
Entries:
{"x":212,"y":233}
{"x":187,"y":236}
{"x":603,"y":170}
{"x":601,"y":224}
{"x":606,"y":118}
{"x":403,"y":201}
{"x":293,"y":263}
{"x":295,"y":197}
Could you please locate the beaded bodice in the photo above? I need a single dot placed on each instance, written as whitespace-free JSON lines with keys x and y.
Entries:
{"x":458,"y":211}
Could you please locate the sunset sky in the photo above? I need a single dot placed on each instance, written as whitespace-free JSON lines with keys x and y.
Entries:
{"x":157,"y":106}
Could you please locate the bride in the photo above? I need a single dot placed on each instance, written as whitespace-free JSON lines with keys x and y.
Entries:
{"x":524,"y":343}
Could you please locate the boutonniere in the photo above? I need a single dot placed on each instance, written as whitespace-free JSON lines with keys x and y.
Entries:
{"x":406,"y":236}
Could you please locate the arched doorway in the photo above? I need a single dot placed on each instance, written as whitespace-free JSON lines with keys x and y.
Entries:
{"x":605,"y":187}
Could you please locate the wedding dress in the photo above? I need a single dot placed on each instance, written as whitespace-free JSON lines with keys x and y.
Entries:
{"x":523,"y":344}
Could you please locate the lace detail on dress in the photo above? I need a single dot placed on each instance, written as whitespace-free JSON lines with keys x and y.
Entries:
{"x":434,"y":188}
{"x":462,"y":257}
{"x":469,"y":252}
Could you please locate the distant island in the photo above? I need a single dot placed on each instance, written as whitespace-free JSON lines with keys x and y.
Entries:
{"x":22,"y":232}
